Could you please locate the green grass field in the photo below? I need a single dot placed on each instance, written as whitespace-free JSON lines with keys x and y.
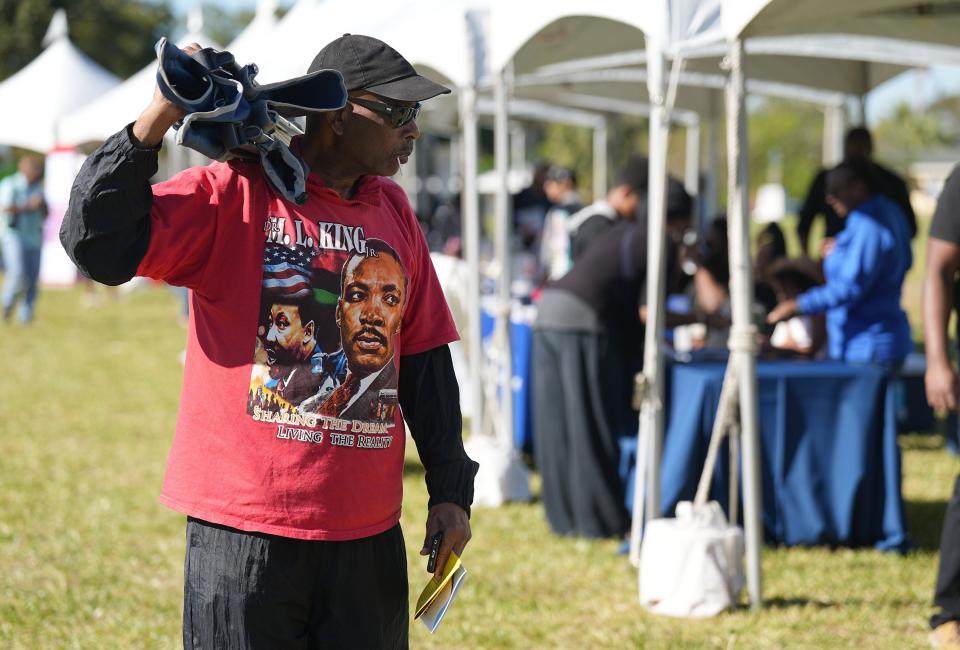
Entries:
{"x":89,"y":559}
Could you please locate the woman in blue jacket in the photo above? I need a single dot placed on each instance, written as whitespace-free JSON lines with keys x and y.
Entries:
{"x":864,"y":274}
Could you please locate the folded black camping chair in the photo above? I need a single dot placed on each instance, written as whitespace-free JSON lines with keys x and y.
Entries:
{"x":230,"y":115}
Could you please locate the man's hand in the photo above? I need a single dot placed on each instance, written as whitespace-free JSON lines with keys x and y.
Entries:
{"x":452,"y":521}
{"x":784,"y":311}
{"x":160,"y":115}
{"x":943,"y":387}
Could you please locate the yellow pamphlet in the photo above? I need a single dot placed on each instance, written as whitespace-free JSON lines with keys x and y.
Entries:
{"x":437,"y":596}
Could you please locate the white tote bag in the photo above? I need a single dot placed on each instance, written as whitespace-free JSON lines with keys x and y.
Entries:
{"x":691,"y":566}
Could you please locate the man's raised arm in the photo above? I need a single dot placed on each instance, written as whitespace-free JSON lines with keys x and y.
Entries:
{"x":106,"y":229}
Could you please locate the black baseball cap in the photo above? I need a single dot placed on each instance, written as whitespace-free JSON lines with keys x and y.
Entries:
{"x":367,"y":63}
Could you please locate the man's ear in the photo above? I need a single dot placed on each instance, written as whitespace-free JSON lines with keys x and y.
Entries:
{"x":338,"y":119}
{"x":309,"y":329}
{"x":339,"y":313}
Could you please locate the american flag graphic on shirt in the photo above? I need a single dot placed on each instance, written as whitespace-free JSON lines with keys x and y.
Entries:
{"x":287,"y":271}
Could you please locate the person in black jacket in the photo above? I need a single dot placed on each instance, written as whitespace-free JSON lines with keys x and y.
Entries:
{"x":625,"y":200}
{"x":587,"y":347}
{"x":857,"y":145}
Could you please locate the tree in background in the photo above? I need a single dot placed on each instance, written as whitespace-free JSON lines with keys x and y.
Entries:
{"x":117,"y":34}
{"x":785,"y":139}
{"x":903,"y":136}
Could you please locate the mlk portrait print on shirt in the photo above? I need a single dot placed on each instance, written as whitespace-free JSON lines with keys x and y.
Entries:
{"x":330,"y":314}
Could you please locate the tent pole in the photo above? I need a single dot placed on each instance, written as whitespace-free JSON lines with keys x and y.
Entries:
{"x":710,"y":201}
{"x":743,"y":332}
{"x":600,"y":161}
{"x":518,"y":145}
{"x":470,"y":210}
{"x":691,"y":171}
{"x":650,"y":433}
{"x":834,"y":119}
{"x":501,"y":151}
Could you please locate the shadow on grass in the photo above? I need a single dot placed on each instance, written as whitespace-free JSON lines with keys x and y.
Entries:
{"x":781,"y":602}
{"x":799,"y":601}
{"x":924,"y":521}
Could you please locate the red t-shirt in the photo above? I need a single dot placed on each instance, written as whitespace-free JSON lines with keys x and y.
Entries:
{"x":289,"y":422}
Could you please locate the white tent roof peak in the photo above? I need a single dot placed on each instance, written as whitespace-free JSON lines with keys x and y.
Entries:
{"x":259,"y":31}
{"x":195,"y":20}
{"x":266,"y":8}
{"x":109,"y":111}
{"x":58,"y":28}
{"x":59,"y":81}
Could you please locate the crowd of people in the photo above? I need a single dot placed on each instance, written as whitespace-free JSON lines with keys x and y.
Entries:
{"x":588,"y":334}
{"x":844,"y":304}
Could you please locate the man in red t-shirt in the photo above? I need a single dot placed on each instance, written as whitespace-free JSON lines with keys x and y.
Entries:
{"x":309,"y":325}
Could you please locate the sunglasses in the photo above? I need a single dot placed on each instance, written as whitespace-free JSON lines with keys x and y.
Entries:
{"x":399,"y":116}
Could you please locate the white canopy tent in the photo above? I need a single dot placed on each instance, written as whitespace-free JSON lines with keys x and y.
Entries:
{"x":311,"y":24}
{"x":929,"y":21}
{"x":106,"y":114}
{"x":697,"y":89}
{"x":521,"y":38}
{"x":283,"y":54}
{"x":249,"y":41}
{"x":550,"y":34}
{"x":738,"y":20}
{"x":59,"y":81}
{"x":871,"y":61}
{"x":593,"y":76}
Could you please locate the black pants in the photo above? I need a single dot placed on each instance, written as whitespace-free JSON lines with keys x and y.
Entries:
{"x":581,"y":402}
{"x":947,"y":594}
{"x":251,"y":591}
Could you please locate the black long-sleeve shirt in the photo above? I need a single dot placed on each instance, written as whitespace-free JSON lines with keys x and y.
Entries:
{"x":106,"y":232}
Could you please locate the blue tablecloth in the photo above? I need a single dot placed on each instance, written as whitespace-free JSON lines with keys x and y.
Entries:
{"x":830,"y":461}
{"x":829,"y":455}
{"x":521,"y":348}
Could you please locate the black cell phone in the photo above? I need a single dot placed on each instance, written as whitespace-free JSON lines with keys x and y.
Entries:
{"x":434,"y":551}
